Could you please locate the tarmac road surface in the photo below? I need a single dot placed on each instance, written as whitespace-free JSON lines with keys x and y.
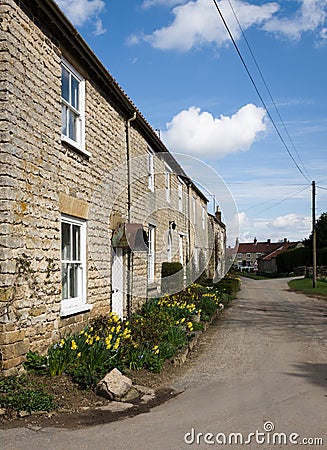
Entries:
{"x":261,"y":373}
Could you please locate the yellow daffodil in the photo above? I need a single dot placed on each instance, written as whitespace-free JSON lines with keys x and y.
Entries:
{"x":190,"y":326}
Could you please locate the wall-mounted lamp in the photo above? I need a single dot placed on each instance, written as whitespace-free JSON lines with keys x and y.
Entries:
{"x":172,"y":224}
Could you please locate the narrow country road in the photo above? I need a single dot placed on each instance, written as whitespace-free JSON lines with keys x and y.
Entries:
{"x":263,"y":366}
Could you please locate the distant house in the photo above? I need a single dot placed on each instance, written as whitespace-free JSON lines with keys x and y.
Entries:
{"x":268,"y":262}
{"x":254,"y":256}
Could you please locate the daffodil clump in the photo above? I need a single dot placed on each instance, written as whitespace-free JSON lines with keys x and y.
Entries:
{"x":178,"y":307}
{"x":89,"y":354}
{"x":158,"y":331}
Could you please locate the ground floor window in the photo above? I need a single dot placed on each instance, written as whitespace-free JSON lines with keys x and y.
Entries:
{"x":73,"y":265}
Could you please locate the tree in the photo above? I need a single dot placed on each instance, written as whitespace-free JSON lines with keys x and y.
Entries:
{"x":321,"y":233}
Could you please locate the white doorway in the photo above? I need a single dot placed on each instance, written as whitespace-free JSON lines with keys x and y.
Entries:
{"x":117,"y":282}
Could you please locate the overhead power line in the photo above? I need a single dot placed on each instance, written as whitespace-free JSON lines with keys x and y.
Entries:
{"x":258,"y":92}
{"x":267,"y":88}
{"x":282,"y":199}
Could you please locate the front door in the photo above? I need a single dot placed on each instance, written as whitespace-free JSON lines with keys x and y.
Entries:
{"x":117,"y":283}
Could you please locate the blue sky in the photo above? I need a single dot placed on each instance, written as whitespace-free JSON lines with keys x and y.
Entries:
{"x":176,"y":62}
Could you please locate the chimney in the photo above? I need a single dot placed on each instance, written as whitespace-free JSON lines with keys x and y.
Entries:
{"x":285,"y":240}
{"x":255,"y":241}
{"x":268,"y":241}
{"x":218,"y":214}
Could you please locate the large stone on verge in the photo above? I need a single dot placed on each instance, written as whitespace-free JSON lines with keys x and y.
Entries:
{"x":114,"y":385}
{"x":131,"y":395}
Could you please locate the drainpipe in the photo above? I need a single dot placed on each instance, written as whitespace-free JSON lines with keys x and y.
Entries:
{"x":129,"y":254}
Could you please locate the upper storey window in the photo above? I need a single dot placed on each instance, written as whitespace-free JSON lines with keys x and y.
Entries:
{"x":150,"y":171}
{"x":72,"y":99}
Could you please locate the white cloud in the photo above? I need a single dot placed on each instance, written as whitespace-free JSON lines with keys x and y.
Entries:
{"x":99,"y":28}
{"x":311,"y":16}
{"x":287,"y":221}
{"x":150,"y":3}
{"x":81,"y":11}
{"x":197,"y":23}
{"x":200,"y":134}
{"x":291,"y":226}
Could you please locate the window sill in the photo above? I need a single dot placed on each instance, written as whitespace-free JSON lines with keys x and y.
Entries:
{"x":74,"y":145}
{"x":77,"y":309}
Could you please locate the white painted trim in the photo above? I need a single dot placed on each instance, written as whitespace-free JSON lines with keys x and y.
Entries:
{"x":68,"y":311}
{"x":80,"y":144}
{"x":78,"y":304}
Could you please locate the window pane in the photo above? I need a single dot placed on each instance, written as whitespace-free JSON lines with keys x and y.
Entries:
{"x":65,"y":242}
{"x":76,"y":243}
{"x":65,"y":84}
{"x":64,"y":281}
{"x":72,"y":125}
{"x":74,"y":92}
{"x":73,"y":280}
{"x":64,"y":120}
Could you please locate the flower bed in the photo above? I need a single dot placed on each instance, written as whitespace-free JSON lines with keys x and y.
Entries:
{"x":161,"y":330}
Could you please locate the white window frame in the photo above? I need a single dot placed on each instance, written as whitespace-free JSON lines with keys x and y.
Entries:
{"x":150,"y":170}
{"x":78,"y":304}
{"x":248,"y":255}
{"x":194,"y":210}
{"x":151,"y":253}
{"x":203,"y":218}
{"x":167,"y":183}
{"x":180,"y":195}
{"x":79,"y":111}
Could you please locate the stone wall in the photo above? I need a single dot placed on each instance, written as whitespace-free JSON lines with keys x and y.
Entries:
{"x":43,"y":178}
{"x":308,"y":271}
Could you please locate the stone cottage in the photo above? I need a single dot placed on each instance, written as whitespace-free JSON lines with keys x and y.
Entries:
{"x":92,"y":202}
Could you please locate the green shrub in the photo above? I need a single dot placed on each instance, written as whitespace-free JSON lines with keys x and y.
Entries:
{"x":172,"y":277}
{"x":288,"y":260}
{"x":18,"y":394}
{"x":170,"y":268}
{"x":35,"y":363}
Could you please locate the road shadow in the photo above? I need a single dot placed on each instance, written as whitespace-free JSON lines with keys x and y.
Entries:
{"x":275,"y":311}
{"x":304,"y":322}
{"x":313,"y":372}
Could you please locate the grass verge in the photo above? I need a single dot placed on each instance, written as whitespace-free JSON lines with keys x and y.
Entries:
{"x":305,"y":285}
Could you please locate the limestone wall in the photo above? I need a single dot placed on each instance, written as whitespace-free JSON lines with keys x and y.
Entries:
{"x":43,"y":178}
